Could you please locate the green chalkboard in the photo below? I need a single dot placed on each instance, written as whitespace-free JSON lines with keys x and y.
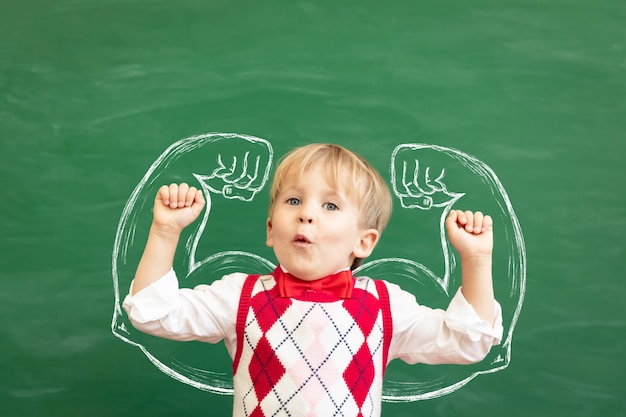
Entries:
{"x":516,"y":108}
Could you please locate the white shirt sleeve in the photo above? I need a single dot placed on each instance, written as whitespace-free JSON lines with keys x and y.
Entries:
{"x":435,"y":336}
{"x":207,"y":312}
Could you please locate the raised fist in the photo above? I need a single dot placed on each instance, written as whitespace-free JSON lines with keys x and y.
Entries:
{"x":176,"y":206}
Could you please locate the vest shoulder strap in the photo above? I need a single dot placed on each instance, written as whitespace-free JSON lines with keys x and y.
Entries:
{"x":383,"y":298}
{"x":242,"y":312}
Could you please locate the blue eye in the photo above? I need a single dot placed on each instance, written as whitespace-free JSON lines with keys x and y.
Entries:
{"x":293,"y":201}
{"x":331,"y":206}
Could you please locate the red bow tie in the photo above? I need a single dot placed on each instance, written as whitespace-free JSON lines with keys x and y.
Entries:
{"x":338,"y":285}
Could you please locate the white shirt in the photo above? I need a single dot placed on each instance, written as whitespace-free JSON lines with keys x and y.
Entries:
{"x":208,"y":313}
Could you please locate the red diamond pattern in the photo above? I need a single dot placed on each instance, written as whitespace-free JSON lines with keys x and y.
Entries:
{"x":362,"y":310}
{"x":266,"y":319}
{"x":360,"y":374}
{"x":265,"y":368}
{"x":257,"y":413}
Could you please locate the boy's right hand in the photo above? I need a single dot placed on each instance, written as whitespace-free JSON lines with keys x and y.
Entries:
{"x":176,"y":206}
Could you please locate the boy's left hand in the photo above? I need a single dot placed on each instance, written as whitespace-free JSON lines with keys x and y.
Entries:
{"x":471,"y":233}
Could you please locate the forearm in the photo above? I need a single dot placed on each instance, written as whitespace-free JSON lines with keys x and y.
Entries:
{"x":477,"y":287}
{"x":157,"y":258}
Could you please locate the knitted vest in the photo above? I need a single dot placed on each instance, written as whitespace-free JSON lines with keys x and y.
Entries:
{"x":311,"y":356}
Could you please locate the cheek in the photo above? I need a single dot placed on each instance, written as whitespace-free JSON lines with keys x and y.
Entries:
{"x":276,"y":230}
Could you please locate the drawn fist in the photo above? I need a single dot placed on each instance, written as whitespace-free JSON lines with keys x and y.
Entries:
{"x":242,"y":168}
{"x":415,"y":183}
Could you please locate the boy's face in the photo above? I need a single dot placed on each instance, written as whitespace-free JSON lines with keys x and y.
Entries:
{"x":314,"y":228}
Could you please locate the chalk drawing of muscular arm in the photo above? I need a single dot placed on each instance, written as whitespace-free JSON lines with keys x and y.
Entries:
{"x":231,"y":166}
{"x":238,"y":169}
{"x":427,"y":179}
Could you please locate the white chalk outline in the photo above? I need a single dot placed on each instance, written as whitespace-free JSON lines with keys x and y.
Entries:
{"x":126,"y":231}
{"x":408,"y":391}
{"x":393,"y":391}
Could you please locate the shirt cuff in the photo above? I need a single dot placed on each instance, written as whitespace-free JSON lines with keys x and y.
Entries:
{"x":461,"y":317}
{"x":153,"y":302}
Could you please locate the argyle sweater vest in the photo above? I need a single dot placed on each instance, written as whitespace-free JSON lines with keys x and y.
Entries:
{"x":311,"y":356}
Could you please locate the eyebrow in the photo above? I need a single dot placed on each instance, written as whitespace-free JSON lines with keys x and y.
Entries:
{"x":331,"y":193}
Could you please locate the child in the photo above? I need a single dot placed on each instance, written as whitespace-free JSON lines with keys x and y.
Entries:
{"x":308,"y":339}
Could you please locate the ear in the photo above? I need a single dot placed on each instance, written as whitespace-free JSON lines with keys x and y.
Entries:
{"x":269,"y":241}
{"x":366,"y":243}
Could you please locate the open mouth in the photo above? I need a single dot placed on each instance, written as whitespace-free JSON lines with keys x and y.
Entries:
{"x":301,"y":239}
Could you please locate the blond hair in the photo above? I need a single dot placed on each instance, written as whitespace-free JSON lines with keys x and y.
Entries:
{"x":344,"y":170}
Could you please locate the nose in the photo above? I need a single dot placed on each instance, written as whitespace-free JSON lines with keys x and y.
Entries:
{"x":305,"y":215}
